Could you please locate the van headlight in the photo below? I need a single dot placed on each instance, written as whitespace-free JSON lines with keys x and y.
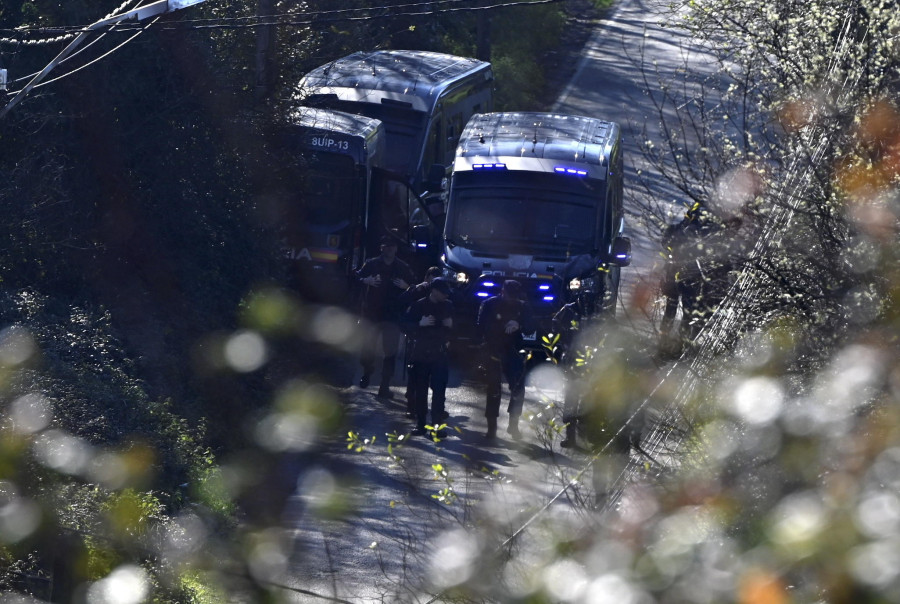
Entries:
{"x":459,"y":278}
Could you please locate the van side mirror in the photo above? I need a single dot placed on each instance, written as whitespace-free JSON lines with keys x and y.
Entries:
{"x":621,"y":251}
{"x":436,"y":175}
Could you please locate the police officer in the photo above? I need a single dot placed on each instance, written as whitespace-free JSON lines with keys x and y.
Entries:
{"x":430,"y":321}
{"x":693,"y":276}
{"x":384,"y":279}
{"x":412,"y":294}
{"x":567,"y":322}
{"x":501,"y":322}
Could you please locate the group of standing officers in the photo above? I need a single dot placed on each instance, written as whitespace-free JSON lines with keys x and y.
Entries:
{"x":695,"y":278}
{"x":395,"y":304}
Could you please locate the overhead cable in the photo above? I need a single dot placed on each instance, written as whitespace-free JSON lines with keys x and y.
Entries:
{"x":417,"y":9}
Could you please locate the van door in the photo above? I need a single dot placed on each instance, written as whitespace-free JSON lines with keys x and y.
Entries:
{"x":397,"y":210}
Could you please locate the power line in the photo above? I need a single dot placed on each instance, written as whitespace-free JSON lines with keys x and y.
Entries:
{"x":287,"y":19}
{"x":68,"y":32}
{"x":75,"y":54}
{"x":279,"y":19}
{"x":103,"y":56}
{"x":416,"y":9}
{"x":41,"y":42}
{"x":152,"y":10}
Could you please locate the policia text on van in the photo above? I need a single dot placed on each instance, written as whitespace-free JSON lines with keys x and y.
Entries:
{"x":538,"y":198}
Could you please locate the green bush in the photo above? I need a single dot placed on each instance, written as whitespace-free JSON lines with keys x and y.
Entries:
{"x":91,"y":465}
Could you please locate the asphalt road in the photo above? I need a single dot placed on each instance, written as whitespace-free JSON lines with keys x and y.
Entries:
{"x":625,"y":65}
{"x":397,"y":537}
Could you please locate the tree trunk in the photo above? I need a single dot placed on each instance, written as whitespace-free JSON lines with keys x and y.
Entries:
{"x":483,"y":36}
{"x":265,"y":49}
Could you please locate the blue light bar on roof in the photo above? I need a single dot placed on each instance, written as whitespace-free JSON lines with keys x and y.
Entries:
{"x":489,"y":166}
{"x":571,"y":171}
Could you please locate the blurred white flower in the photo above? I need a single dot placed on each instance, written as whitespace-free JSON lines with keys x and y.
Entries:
{"x":30,"y":413}
{"x":246,"y":351}
{"x":127,"y":584}
{"x":758,"y":400}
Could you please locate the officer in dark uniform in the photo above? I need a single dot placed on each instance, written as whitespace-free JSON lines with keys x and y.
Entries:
{"x":501,"y":322}
{"x":567,"y":322}
{"x":430,"y":320}
{"x":412,"y":294}
{"x":694,"y":276}
{"x":384,"y":278}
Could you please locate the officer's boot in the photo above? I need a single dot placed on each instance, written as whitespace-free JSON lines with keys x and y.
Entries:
{"x":387,"y":373}
{"x":492,"y":428}
{"x":513,"y":428}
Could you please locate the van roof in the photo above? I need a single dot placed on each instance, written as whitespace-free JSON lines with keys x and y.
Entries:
{"x":329,"y":131}
{"x":397,"y":74}
{"x":538,"y":135}
{"x":330,"y":120}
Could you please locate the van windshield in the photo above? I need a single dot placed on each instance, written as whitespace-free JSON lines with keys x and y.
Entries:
{"x":404,"y":128}
{"x":515,"y":212}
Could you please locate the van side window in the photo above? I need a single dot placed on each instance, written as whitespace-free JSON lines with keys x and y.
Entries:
{"x":454,"y":129}
{"x":433,"y":152}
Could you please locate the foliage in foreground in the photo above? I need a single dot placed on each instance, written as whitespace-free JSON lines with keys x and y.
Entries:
{"x":97,"y":476}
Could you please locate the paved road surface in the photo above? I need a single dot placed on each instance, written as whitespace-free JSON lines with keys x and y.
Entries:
{"x":624,"y":66}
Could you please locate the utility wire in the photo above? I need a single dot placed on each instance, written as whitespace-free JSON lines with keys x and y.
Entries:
{"x":344,"y":11}
{"x":317,"y":13}
{"x":319,"y":17}
{"x":282,"y":19}
{"x":78,"y":52}
{"x":71,"y":31}
{"x":287,"y":19}
{"x":154,"y":9}
{"x":103,"y":56}
{"x":42,"y":42}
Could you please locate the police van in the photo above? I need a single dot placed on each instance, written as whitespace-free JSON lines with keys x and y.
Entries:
{"x":326,"y":226}
{"x":424,"y":100}
{"x":537,"y":197}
